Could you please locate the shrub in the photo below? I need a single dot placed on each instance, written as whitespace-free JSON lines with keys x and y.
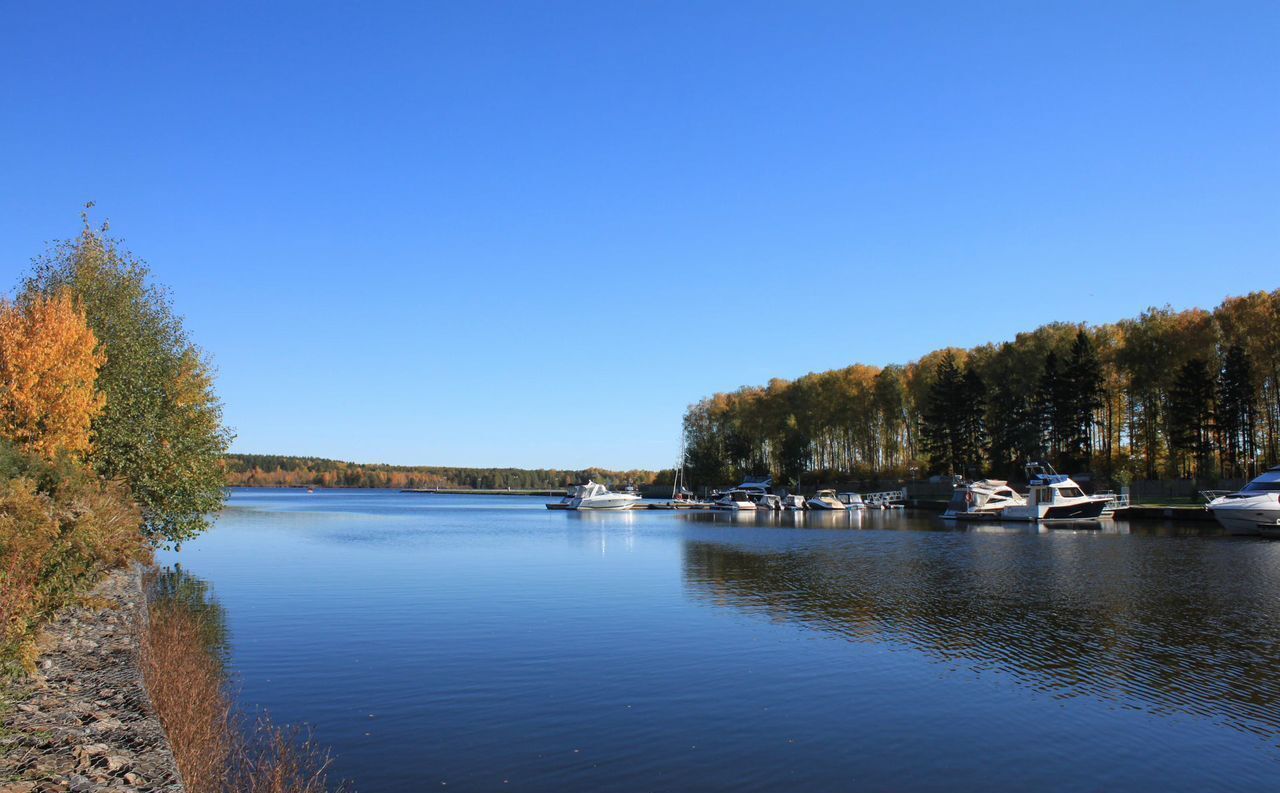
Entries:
{"x":60,"y":529}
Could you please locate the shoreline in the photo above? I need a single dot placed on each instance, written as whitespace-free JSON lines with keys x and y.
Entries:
{"x":84,"y":721}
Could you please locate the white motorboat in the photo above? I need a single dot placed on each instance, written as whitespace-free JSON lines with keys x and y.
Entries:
{"x":851,"y":501}
{"x":768,"y":501}
{"x":1255,"y":509}
{"x":734,"y":501}
{"x":1054,"y":497}
{"x":597,"y":496}
{"x":986,"y":498}
{"x":793,"y":503}
{"x":827,"y":499}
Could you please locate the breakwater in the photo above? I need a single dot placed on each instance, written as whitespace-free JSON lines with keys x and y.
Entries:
{"x":457,"y":491}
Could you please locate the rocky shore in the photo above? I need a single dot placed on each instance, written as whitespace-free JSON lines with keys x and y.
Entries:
{"x":84,"y":722}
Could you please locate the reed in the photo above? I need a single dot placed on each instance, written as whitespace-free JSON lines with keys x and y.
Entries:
{"x":217,"y":750}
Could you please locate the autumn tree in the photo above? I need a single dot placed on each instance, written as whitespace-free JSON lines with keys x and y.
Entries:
{"x":161,"y":429}
{"x":49,"y":362}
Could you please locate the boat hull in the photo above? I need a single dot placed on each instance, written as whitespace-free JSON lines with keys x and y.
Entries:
{"x":1247,"y":521}
{"x":608,"y":503}
{"x":1045,"y":513}
{"x":815,"y":504}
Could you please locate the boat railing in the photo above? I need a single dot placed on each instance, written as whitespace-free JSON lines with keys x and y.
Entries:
{"x":1114,"y":500}
{"x":1210,"y":495}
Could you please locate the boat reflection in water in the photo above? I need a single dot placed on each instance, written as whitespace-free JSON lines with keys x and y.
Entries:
{"x":1163,"y":626}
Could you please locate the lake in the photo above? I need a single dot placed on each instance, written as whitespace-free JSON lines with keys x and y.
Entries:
{"x":487,"y":643}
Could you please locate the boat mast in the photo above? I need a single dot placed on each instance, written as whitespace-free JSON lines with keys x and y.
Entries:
{"x":678,"y":479}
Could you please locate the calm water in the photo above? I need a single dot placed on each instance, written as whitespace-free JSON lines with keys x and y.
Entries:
{"x":472,"y":643}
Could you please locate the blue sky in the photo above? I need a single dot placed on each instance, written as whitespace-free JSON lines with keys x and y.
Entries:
{"x":530,"y":233}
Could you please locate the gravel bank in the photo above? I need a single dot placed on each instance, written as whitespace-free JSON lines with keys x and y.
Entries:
{"x":84,"y":721}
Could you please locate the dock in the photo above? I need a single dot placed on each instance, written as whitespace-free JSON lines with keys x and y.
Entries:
{"x":464,"y":491}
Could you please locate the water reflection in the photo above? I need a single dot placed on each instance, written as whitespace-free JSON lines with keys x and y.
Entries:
{"x":602,"y":530}
{"x":1181,"y":625}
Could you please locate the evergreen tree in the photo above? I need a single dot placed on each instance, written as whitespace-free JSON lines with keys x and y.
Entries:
{"x":1190,"y":414}
{"x":1053,"y":414}
{"x":1082,"y":391}
{"x":971,"y":421}
{"x":1236,"y":411}
{"x":954,"y":422}
{"x":939,"y":431}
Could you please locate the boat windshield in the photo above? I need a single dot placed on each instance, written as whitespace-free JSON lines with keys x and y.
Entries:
{"x":1070,"y":492}
{"x":1261,"y":487}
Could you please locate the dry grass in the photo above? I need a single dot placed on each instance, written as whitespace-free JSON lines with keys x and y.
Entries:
{"x":186,"y":685}
{"x":215,"y":750}
{"x":281,"y":760}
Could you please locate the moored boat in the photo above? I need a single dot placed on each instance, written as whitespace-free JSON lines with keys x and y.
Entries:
{"x":793,"y":503}
{"x":1054,"y":497}
{"x":827,"y":499}
{"x":734,"y":501}
{"x":851,"y":501}
{"x":1254,"y":509}
{"x":984,"y":499}
{"x":594,"y":496}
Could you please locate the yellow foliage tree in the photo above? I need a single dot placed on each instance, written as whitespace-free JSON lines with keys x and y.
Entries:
{"x":49,"y":362}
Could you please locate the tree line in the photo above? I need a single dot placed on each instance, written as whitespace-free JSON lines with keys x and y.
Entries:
{"x":271,"y":470}
{"x":1192,"y":393}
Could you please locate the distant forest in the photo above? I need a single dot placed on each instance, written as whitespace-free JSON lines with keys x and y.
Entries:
{"x":271,"y":470}
{"x":1170,"y":393}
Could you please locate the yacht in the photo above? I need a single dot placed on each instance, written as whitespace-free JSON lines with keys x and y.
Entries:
{"x":597,"y":496}
{"x":1255,"y":509}
{"x":851,"y":501}
{"x":1054,"y":496}
{"x":827,"y":499}
{"x":986,"y":498}
{"x":734,"y":501}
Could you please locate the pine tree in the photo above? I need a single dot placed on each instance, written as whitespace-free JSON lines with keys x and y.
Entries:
{"x":939,"y":426}
{"x":1190,"y":414}
{"x":971,"y":421}
{"x":1082,"y":389}
{"x":1236,"y":410}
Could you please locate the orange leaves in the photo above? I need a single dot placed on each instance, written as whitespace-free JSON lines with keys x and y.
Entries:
{"x":49,"y":362}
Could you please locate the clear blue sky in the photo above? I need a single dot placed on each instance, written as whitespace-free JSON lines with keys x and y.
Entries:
{"x":530,"y":233}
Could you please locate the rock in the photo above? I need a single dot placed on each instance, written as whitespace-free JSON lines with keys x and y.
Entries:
{"x":134,"y":780}
{"x":18,"y":787}
{"x":117,"y":763}
{"x":80,"y":784}
{"x":91,"y":749}
{"x":105,"y":724}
